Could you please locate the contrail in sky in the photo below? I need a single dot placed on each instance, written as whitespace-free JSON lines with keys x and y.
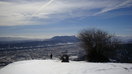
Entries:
{"x":121,"y":5}
{"x":42,"y":7}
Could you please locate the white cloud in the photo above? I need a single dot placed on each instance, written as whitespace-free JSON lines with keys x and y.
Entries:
{"x":31,"y":12}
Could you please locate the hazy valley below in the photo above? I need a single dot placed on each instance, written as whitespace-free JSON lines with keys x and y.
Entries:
{"x":27,"y":50}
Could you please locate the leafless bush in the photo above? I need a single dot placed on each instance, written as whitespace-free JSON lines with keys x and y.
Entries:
{"x":99,"y":45}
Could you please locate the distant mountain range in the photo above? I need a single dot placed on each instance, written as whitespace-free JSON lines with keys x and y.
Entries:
{"x":53,"y":39}
{"x":64,"y":39}
{"x":23,"y":42}
{"x":56,"y":39}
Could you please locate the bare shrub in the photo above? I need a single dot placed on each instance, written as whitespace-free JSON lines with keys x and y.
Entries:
{"x":99,"y":45}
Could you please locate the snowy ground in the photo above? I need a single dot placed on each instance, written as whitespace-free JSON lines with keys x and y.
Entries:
{"x":56,"y":67}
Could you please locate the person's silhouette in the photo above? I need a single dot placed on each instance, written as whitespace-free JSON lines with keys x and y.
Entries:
{"x":51,"y":56}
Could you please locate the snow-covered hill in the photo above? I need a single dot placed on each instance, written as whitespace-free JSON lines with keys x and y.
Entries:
{"x":56,"y":67}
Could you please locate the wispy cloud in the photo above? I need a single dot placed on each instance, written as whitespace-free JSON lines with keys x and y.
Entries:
{"x":117,"y":5}
{"x":31,"y":12}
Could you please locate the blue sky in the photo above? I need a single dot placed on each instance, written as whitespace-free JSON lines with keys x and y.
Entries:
{"x":48,"y":18}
